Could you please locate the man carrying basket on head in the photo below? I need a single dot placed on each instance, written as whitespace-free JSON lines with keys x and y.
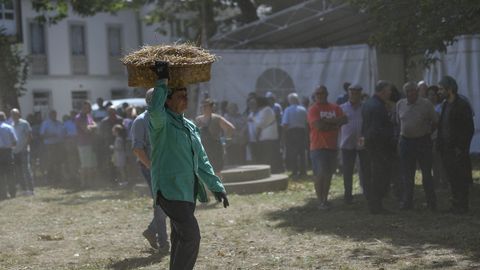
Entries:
{"x":179,"y":169}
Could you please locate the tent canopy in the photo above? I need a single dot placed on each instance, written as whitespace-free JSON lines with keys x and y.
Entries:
{"x":312,"y":23}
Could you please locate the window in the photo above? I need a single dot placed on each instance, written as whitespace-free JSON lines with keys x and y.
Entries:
{"x":118,"y":93}
{"x":78,"y":49}
{"x":37,"y":38}
{"x":276,"y":81}
{"x":78,"y":97}
{"x":77,"y":39}
{"x":37,"y":46}
{"x":114,"y":35}
{"x":7,"y":11}
{"x":8,"y":17}
{"x":42,"y":102}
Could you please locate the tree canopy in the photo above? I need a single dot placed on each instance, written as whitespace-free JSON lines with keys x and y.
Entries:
{"x":419,"y":26}
{"x":13,"y":72}
{"x":205,"y":12}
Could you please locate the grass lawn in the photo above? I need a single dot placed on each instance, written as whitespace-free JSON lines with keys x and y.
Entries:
{"x":101,"y":229}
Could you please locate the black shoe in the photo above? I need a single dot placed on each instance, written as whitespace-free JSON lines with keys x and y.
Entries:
{"x":151,"y":238}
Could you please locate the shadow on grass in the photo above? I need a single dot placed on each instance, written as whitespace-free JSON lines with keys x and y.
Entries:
{"x":414,"y":232}
{"x":137,"y":262}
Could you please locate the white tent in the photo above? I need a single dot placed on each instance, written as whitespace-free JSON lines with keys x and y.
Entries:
{"x":462,"y":61}
{"x":239,"y":72}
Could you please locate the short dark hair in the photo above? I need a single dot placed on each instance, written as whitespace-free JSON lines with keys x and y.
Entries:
{"x":173,"y":90}
{"x":449,"y":82}
{"x":3,"y":116}
{"x":382,"y":84}
{"x":262,"y":101}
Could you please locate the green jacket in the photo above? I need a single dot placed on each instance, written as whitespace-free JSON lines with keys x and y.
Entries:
{"x":178,"y":157}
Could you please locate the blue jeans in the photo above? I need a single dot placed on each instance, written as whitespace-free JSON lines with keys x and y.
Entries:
{"x":23,"y":171}
{"x":324,"y":162}
{"x":413,"y":151}
{"x":158,"y":224}
{"x":348,"y":159}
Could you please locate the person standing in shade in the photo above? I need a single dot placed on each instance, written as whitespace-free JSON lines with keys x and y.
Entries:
{"x":8,"y":140}
{"x":325,"y":120}
{"x":212,"y":126}
{"x":417,"y":119}
{"x":378,"y":137}
{"x":455,"y":133}
{"x":106,"y":139}
{"x":237,"y":146}
{"x":350,"y":135}
{"x":71,"y":151}
{"x":294,"y":123}
{"x":21,"y":152}
{"x":180,"y":167}
{"x":53,"y":135}
{"x":156,"y":232}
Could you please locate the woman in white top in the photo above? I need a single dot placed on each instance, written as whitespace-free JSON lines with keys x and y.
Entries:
{"x":266,"y":135}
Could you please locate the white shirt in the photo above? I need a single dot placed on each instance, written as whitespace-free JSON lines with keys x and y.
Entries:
{"x":265,"y":120}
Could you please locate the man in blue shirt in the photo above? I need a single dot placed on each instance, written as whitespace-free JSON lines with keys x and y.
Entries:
{"x":156,"y":233}
{"x":53,"y":133}
{"x":8,"y":140}
{"x":294,"y":123}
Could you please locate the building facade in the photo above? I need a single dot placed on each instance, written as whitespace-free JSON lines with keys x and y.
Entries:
{"x":76,"y":59}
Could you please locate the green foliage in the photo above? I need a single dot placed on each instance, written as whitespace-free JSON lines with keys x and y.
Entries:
{"x":13,"y":72}
{"x":418,"y":26}
{"x":202,"y":19}
{"x":55,"y":11}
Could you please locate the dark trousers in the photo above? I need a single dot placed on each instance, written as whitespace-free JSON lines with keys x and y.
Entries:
{"x":379,"y":167}
{"x":296,"y":139}
{"x":236,"y":154}
{"x":185,"y":233}
{"x":268,"y":152}
{"x":7,"y":181}
{"x":158,"y":224}
{"x":55,"y":155}
{"x":348,"y":160}
{"x":23,"y":170}
{"x":413,"y":151}
{"x":456,"y":166}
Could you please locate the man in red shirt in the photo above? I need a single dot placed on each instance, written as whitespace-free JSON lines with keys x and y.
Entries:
{"x":325,"y":120}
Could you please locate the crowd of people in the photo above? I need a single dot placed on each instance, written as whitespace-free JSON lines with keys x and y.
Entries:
{"x":387,"y":136}
{"x":66,"y":153}
{"x":391,"y":131}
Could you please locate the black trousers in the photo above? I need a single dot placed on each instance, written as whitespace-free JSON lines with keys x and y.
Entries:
{"x":458,"y":170}
{"x":7,"y":181}
{"x":185,"y":233}
{"x":295,"y":144}
{"x":348,"y":159}
{"x":413,"y":150}
{"x":379,"y":166}
{"x":268,"y":152}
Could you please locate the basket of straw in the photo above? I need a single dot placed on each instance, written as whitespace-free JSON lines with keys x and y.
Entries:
{"x":187,"y":64}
